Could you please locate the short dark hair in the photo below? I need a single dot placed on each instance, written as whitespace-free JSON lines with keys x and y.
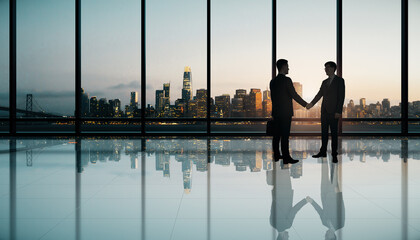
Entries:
{"x":331,"y":64}
{"x":280,"y":63}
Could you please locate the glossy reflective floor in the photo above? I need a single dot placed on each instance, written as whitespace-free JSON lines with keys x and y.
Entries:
{"x":216,"y":188}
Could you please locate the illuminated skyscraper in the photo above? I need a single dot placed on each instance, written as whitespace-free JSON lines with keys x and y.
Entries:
{"x":201,"y":103}
{"x":187,"y":85}
{"x":255,"y":103}
{"x":266,"y":95}
{"x":159,"y":101}
{"x":94,"y":107}
{"x":223,"y":105}
{"x":363,"y":103}
{"x":134,"y":103}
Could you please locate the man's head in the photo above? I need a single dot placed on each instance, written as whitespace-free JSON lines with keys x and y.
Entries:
{"x":330,"y":68}
{"x":283,"y":66}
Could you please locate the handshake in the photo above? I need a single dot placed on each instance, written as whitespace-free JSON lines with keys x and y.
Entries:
{"x":309,"y":106}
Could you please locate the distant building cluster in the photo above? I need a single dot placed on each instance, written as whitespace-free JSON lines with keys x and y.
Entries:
{"x":255,"y":103}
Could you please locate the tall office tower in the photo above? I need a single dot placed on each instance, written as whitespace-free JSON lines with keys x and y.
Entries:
{"x":267,"y":107}
{"x":115,"y":105}
{"x":238,"y":102}
{"x":350,"y":105}
{"x":94,"y":107}
{"x":160,"y":94}
{"x":103,"y":107}
{"x":186,"y":85}
{"x":223,"y":105}
{"x":386,"y":105}
{"x":266,"y":95}
{"x":166,"y":99}
{"x":363,"y":103}
{"x":240,"y":93}
{"x":201,"y":103}
{"x":134,"y":103}
{"x":134,"y":161}
{"x":238,"y":107}
{"x":255,"y":103}
{"x":85,"y":103}
{"x":299,"y":90}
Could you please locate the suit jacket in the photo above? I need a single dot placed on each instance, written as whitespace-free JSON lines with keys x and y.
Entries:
{"x":282,"y":93}
{"x":332,"y":96}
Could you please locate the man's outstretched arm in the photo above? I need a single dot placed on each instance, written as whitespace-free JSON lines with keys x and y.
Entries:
{"x":317,"y":96}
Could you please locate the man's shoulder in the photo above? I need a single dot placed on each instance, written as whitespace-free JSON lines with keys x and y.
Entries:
{"x":339,"y":78}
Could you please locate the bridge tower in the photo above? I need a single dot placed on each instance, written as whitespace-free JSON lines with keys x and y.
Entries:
{"x":28,"y":104}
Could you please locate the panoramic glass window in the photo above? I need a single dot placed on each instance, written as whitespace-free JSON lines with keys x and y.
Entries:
{"x":241,"y":61}
{"x":4,"y":59}
{"x":413,"y":63}
{"x":176,"y":63}
{"x":45,"y":63}
{"x":372,"y":58}
{"x":111,"y":63}
{"x":307,"y":39}
{"x":372,"y":62}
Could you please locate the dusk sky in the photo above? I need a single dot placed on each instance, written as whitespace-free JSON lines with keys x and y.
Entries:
{"x":176,"y":37}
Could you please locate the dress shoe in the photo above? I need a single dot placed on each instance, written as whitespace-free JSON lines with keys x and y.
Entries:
{"x":335,"y":159}
{"x":289,"y":160}
{"x":277,"y":157}
{"x":320,"y":154}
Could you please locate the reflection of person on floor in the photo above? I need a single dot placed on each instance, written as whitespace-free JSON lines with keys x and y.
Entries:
{"x":333,"y":213}
{"x":282,"y":210}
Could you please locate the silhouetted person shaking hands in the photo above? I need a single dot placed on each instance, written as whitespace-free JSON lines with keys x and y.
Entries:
{"x":332,"y":212}
{"x":332,"y":92}
{"x":282,"y":93}
{"x":283,"y":212}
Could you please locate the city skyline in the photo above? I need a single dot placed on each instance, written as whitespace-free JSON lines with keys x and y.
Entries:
{"x":111,"y":48}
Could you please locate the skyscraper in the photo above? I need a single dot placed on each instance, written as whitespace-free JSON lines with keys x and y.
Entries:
{"x":223,"y":105}
{"x":266,"y":95}
{"x":187,"y":85}
{"x":201,"y":103}
{"x":166,"y":99}
{"x":159,"y":102}
{"x":386,"y":105}
{"x":255,"y":101}
{"x":363,"y":103}
{"x":134,"y":100}
{"x":85,"y":103}
{"x":94,"y":107}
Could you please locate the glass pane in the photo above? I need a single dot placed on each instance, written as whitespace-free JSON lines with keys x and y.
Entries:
{"x":241,"y":57}
{"x":414,"y":127}
{"x":372,"y":58}
{"x":4,"y":126}
{"x":111,"y":59}
{"x":414,"y":59}
{"x":176,"y":59}
{"x":45,"y":58}
{"x":4,"y":59}
{"x":307,"y":39}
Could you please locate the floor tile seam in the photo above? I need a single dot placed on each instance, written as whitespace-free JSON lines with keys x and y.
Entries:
{"x":297,"y":233}
{"x":46,"y":233}
{"x":176,"y":217}
{"x":369,"y":199}
{"x":99,"y":190}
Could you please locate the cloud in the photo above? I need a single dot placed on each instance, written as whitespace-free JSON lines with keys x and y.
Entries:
{"x":130,"y":85}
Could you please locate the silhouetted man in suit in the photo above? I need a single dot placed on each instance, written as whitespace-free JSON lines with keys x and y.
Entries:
{"x":282,"y":93}
{"x":332,"y":213}
{"x":282,"y":212}
{"x":332,"y":92}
